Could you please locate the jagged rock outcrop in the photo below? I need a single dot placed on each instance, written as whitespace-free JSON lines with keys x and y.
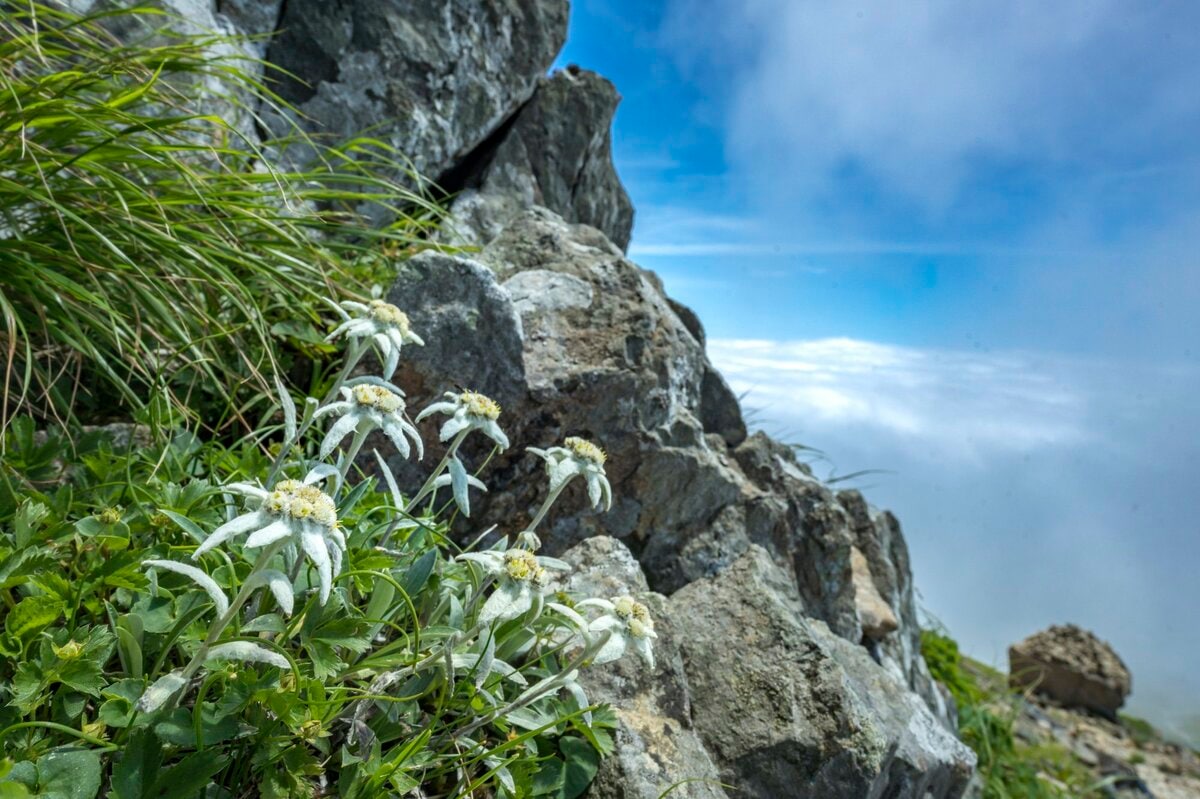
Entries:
{"x":433,"y":79}
{"x":783,"y":706}
{"x":574,"y":339}
{"x":555,"y":153}
{"x":1071,"y":666}
{"x":657,"y":744}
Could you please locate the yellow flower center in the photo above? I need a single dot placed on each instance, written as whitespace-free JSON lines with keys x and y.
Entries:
{"x":582,"y":448}
{"x":639,"y":628}
{"x":292,"y":498}
{"x":377,"y":397}
{"x":390,"y":315}
{"x":635,"y":614}
{"x":479,"y":405}
{"x":521,"y":565}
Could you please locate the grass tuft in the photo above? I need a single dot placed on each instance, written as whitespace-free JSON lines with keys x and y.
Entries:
{"x":147,"y":248}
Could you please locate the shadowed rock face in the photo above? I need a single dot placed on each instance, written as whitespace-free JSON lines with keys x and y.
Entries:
{"x":433,"y":79}
{"x":556,"y":153}
{"x":1071,"y":666}
{"x":574,"y":339}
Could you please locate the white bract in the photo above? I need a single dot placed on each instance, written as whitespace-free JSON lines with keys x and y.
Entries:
{"x":578,"y":457}
{"x":219,"y":600}
{"x":383,"y":324}
{"x":293,"y":510}
{"x":630,"y":627}
{"x":366,"y":407}
{"x":468,"y":410}
{"x":522,"y":578}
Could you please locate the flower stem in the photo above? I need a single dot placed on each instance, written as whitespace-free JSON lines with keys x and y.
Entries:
{"x":543,"y":688}
{"x":354,"y":354}
{"x":541,"y":514}
{"x":347,"y":457}
{"x":451,"y":451}
{"x":218,"y":626}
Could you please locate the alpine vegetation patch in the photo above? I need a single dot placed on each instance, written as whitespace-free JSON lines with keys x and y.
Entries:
{"x":267,"y":619}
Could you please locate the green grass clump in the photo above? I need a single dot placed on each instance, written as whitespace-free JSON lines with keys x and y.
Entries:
{"x":1140,"y":731}
{"x":987,"y":714}
{"x":146,"y":244}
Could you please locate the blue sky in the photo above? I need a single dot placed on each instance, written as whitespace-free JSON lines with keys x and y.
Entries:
{"x":956,"y":243}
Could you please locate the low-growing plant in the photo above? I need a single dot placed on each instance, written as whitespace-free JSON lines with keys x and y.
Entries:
{"x":186,"y":619}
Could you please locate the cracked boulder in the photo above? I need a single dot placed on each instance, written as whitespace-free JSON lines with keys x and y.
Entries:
{"x":786,"y":708}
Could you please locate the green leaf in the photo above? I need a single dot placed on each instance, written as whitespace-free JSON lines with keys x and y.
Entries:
{"x":24,"y":566}
{"x":418,"y":573}
{"x":349,"y":633}
{"x":186,"y":779}
{"x":582,"y":763}
{"x":13,"y":790}
{"x":27,"y":686}
{"x":324,"y":658}
{"x":27,"y":519}
{"x":186,"y":524}
{"x":60,"y":775}
{"x":156,"y":612}
{"x":177,"y":729}
{"x":266,"y":623}
{"x":548,"y":781}
{"x":31,"y":615}
{"x":129,"y":643}
{"x":140,"y":761}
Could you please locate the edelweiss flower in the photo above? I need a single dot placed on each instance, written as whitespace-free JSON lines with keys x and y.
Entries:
{"x":468,"y":410}
{"x":631,"y":626}
{"x":523,"y":577}
{"x":293,"y":509}
{"x":578,"y":457}
{"x":383,"y":323}
{"x":365,"y":407}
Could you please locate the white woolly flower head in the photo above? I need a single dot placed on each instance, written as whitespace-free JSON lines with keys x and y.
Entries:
{"x":295,"y":510}
{"x":384,"y":325}
{"x":521,"y":580}
{"x":370,"y":404}
{"x":468,"y":410}
{"x":578,"y":457}
{"x":629,"y":626}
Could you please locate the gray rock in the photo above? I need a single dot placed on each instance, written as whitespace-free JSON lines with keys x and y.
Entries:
{"x":432,"y":79}
{"x":471,"y":329}
{"x":258,"y":19}
{"x":556,"y":153}
{"x":573,"y":339}
{"x":210,"y":95}
{"x":656,"y":745}
{"x":786,"y":708}
{"x":1071,"y":666}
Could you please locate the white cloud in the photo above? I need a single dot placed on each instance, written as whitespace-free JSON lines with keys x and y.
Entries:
{"x":917,"y":94}
{"x":965,"y":406}
{"x":1033,"y":489}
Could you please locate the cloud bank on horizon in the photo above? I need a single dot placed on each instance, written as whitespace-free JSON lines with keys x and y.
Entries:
{"x":1033,"y":489}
